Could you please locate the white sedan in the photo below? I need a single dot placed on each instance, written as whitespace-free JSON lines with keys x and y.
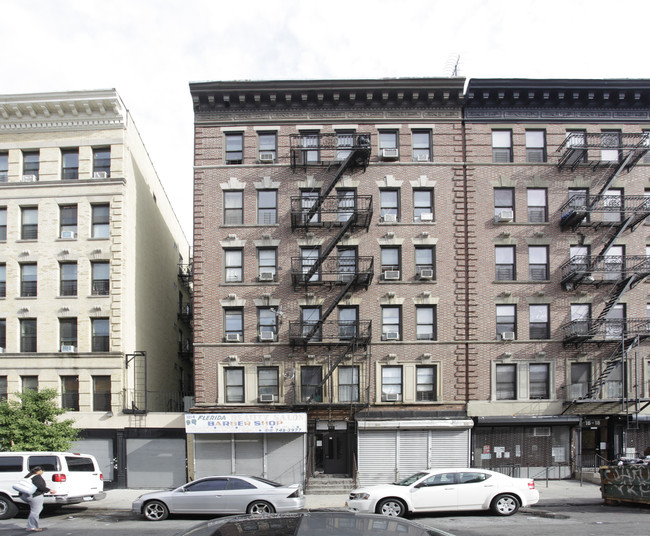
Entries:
{"x":446,"y":490}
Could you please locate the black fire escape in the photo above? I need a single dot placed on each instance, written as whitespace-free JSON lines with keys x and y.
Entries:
{"x":337,"y":215}
{"x":610,"y":215}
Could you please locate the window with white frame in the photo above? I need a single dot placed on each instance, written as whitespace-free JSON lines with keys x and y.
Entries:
{"x":234,"y":265}
{"x":425,"y":383}
{"x":391,"y":321}
{"x":391,"y":384}
{"x":535,"y":146}
{"x":538,"y":263}
{"x":348,"y":384}
{"x":501,"y":146}
{"x":506,"y":381}
{"x":539,"y":327}
{"x":504,"y":259}
{"x":234,"y":384}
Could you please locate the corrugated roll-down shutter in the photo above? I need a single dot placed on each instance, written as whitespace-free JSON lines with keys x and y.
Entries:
{"x":413,"y":452}
{"x":377,"y":457}
{"x":449,"y":448}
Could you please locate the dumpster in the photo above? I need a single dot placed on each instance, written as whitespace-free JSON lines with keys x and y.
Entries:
{"x":625,"y":483}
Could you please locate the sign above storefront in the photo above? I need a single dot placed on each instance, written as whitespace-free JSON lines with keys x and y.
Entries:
{"x":246,"y":423}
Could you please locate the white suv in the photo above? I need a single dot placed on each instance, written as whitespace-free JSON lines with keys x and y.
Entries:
{"x":74,"y":478}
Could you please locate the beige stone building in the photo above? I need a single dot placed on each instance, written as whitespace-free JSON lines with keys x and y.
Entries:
{"x":95,"y":295}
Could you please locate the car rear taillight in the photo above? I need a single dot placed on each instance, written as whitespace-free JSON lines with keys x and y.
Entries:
{"x":101,"y":476}
{"x":531,"y":484}
{"x":294,"y":495}
{"x":59,"y":477}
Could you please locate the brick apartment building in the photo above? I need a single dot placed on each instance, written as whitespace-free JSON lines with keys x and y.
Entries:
{"x":407,"y":273}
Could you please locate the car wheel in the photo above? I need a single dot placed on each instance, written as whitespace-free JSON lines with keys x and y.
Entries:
{"x":8,"y":508}
{"x":505,"y":505}
{"x":391,"y":507}
{"x":156,"y":511}
{"x":260,"y":507}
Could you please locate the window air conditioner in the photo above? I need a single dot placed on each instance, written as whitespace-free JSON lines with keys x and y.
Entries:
{"x":392,"y":335}
{"x":68,"y":348}
{"x":426,"y":216}
{"x":2,"y":350}
{"x":100,"y":175}
{"x":389,"y":154}
{"x":391,"y":397}
{"x":68,"y":234}
{"x":267,"y":336}
{"x":426,"y":273}
{"x":422,"y":158}
{"x":267,"y":157}
{"x":232,"y":337}
{"x":29,"y":178}
{"x":266,"y":276}
{"x":506,"y":215}
{"x":508,"y":336}
{"x":390,"y":217}
{"x":266,"y":398}
{"x":391,"y":275}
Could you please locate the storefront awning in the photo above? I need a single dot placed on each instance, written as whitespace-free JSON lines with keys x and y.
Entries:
{"x":535,"y":420}
{"x":411,"y":424}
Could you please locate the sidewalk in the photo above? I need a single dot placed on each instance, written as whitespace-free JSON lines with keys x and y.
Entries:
{"x":558,"y":493}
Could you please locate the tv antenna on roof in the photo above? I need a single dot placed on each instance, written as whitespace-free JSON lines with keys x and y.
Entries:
{"x":452,"y":65}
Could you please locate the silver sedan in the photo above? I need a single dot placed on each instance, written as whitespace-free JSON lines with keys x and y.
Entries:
{"x":221,"y":495}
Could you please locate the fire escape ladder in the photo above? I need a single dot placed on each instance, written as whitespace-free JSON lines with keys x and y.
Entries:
{"x":351,"y":346}
{"x":616,"y":235}
{"x":318,"y":325}
{"x":313,"y":269}
{"x":614,"y":296}
{"x":611,"y":365}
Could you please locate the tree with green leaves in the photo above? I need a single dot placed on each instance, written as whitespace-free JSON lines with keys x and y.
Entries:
{"x":32,"y":423}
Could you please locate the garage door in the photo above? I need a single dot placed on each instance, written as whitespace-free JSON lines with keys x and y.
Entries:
{"x":155,"y":463}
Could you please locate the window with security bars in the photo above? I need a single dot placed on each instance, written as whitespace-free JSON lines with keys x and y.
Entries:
{"x":539,"y":381}
{"x":29,"y":223}
{"x":504,"y":259}
{"x":70,"y":393}
{"x":348,"y":377}
{"x":506,"y":381}
{"x":310,"y":389}
{"x":234,"y":384}
{"x":233,"y":207}
{"x":537,"y":205}
{"x":538,"y":263}
{"x":535,"y":146}
{"x":425,"y":383}
{"x":268,"y":382}
{"x":539,"y":322}
{"x":68,"y":279}
{"x":501,"y":146}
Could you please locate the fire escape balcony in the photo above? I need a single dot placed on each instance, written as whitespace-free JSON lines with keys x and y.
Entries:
{"x":331,"y":212}
{"x":603,"y":270}
{"x":614,"y":150}
{"x":330,"y":149}
{"x":185,"y":276}
{"x":604,"y":210}
{"x":607,"y":330}
{"x":354,"y":272}
{"x":331,"y":333}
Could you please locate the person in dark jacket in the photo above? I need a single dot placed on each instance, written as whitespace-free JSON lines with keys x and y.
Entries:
{"x":35,"y":500}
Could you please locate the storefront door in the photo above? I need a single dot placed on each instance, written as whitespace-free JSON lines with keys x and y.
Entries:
{"x":332,"y":451}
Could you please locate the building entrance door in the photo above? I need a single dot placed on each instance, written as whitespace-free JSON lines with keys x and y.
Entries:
{"x":332,"y":452}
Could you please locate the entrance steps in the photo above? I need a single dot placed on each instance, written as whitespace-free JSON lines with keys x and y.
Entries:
{"x":322,"y":484}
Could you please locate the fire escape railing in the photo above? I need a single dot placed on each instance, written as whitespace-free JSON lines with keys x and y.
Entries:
{"x":603,"y":210}
{"x":331,"y":211}
{"x":606,"y":330}
{"x":603,"y":269}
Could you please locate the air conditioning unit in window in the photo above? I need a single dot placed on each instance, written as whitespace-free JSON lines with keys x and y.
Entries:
{"x":2,"y":350}
{"x":426,"y":273}
{"x":390,"y":217}
{"x":67,"y":348}
{"x":29,"y":178}
{"x":389,"y":154}
{"x":391,"y":397}
{"x":508,"y":336}
{"x":100,"y":175}
{"x":391,"y":275}
{"x":426,"y":216}
{"x":233,"y":337}
{"x":506,"y":215}
{"x":267,"y":336}
{"x":266,"y":398}
{"x":267,"y":157}
{"x":422,"y":158}
{"x":266,"y":276}
{"x":392,"y":335}
{"x":68,"y":234}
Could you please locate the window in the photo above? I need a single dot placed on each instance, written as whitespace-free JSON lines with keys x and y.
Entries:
{"x":234,"y":265}
{"x":344,"y":143}
{"x":310,"y":389}
{"x":3,"y":396}
{"x":391,"y":322}
{"x":391,"y":384}
{"x":68,"y":271}
{"x":268,"y":146}
{"x":101,"y":393}
{"x":100,"y":221}
{"x":501,"y":146}
{"x":348,"y":323}
{"x":28,"y":280}
{"x":506,"y":321}
{"x":233,"y":211}
{"x":388,"y":144}
{"x":267,"y":264}
{"x":347,"y":263}
{"x":4,"y":167}
{"x":3,"y":280}
{"x":310,"y":147}
{"x":348,"y":384}
{"x":425,"y":323}
{"x":68,"y":334}
{"x":68,"y":221}
{"x":389,"y":205}
{"x":610,"y":143}
{"x":234,"y":148}
{"x":310,"y":318}
{"x":576,"y":142}
{"x":646,"y":142}
{"x":29,"y":383}
{"x":539,"y":322}
{"x":308,"y":199}
{"x":422,"y":205}
{"x":267,"y":327}
{"x":70,"y":393}
{"x":425,"y":383}
{"x":31,"y":164}
{"x":537,"y":209}
{"x":101,"y":278}
{"x":100,"y":335}
{"x":27,"y":334}
{"x":578,"y":199}
{"x":535,"y":146}
{"x":3,"y":333}
{"x":506,"y":382}
{"x":345,"y":204}
{"x":308,"y":258}
{"x":580,"y":318}
{"x":425,"y":262}
{"x":580,"y":379}
{"x":268,"y":383}
{"x":615,"y":322}
{"x":390,"y":263}
{"x":614,"y":263}
{"x":29,"y":223}
{"x":538,"y":263}
{"x":102,"y":161}
{"x":234,"y":377}
{"x":613,"y":203}
{"x":504,"y":260}
{"x":539,"y":381}
{"x":234,"y":325}
{"x":267,"y":207}
{"x":70,"y":164}
{"x":3,"y":224}
{"x":504,"y":202}
{"x":422,"y":146}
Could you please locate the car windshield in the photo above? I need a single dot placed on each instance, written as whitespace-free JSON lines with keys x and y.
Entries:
{"x":411,"y":479}
{"x":269,"y":482}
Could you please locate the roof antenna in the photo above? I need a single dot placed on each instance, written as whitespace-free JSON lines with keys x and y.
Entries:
{"x":452,"y":65}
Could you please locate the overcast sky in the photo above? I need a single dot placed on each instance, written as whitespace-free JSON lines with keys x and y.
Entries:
{"x":149,"y":50}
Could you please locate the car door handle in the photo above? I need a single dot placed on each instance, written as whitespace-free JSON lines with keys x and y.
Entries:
{"x":448,"y":488}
